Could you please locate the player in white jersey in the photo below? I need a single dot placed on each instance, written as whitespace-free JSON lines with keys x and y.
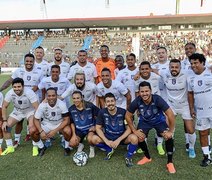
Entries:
{"x":1,"y":121}
{"x":50,"y":118}
{"x":200,"y":102}
{"x":126,"y":75}
{"x":58,"y":60}
{"x":32,"y":78}
{"x":83,"y":65}
{"x":119,"y":62}
{"x":88,"y":89}
{"x":162,"y":65}
{"x":56,"y":81}
{"x":40,"y":63}
{"x":25,"y":103}
{"x":146,"y":74}
{"x":175,"y":81}
{"x":122,"y":94}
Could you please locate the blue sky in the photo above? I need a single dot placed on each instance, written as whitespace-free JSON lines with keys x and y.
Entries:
{"x":31,"y":9}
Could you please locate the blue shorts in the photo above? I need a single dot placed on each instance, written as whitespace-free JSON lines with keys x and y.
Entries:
{"x":81,"y":134}
{"x":160,"y":127}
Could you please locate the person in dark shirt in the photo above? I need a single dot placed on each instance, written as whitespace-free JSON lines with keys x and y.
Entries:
{"x":153,"y":111}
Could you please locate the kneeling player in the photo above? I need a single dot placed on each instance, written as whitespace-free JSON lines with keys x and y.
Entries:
{"x":82,"y":115}
{"x":25,"y":103}
{"x":50,"y":118}
{"x":112,"y":120}
{"x":151,"y":115}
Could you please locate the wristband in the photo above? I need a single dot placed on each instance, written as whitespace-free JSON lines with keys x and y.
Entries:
{"x":4,"y":120}
{"x":41,"y":131}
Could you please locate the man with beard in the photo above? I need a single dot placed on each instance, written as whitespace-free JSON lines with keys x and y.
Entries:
{"x":64,"y":66}
{"x":153,"y":111}
{"x":88,"y":89}
{"x":112,"y":130}
{"x":177,"y":94}
{"x":121,"y":93}
{"x":25,"y":103}
{"x":50,"y":118}
{"x":83,"y":65}
{"x":126,"y":75}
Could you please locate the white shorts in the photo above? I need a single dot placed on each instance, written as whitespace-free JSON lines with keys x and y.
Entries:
{"x":203,"y":123}
{"x":184,"y":111}
{"x":48,"y":127}
{"x":18,"y":115}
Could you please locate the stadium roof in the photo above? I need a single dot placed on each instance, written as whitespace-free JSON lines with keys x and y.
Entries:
{"x":107,"y":21}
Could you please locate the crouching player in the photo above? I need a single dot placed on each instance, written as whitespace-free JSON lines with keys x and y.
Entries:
{"x":116,"y":132}
{"x":151,"y":110}
{"x":50,"y":118}
{"x":25,"y":103}
{"x":82,"y":116}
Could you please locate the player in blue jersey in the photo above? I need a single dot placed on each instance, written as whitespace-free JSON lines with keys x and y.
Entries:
{"x":82,"y":116}
{"x":151,"y":109}
{"x":116,"y":131}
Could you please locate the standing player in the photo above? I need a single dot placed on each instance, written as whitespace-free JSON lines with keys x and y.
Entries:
{"x":175,"y":81}
{"x":126,"y":75}
{"x":122,"y":94}
{"x":32,"y":78}
{"x":50,"y":118}
{"x":112,"y":130}
{"x":82,"y":115}
{"x":58,"y":60}
{"x":151,"y":109}
{"x":1,"y":121}
{"x":88,"y":89}
{"x":25,"y":103}
{"x":200,"y":102}
{"x":104,"y":62}
{"x":83,"y":65}
{"x":119,"y":62}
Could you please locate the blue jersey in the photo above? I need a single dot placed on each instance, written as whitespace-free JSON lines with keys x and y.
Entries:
{"x":114,"y":125}
{"x":152,"y":113}
{"x":83,"y":119}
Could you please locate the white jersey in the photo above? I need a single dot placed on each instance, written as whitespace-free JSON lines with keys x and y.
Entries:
{"x":61,"y":85}
{"x":51,"y":115}
{"x":177,"y":89}
{"x":64,"y":68}
{"x":89,"y":69}
{"x":89,"y":92}
{"x":31,"y":78}
{"x":162,"y":68}
{"x":21,"y":103}
{"x":201,"y":85}
{"x":126,"y":77}
{"x":1,"y":99}
{"x":43,"y":66}
{"x":154,"y":80}
{"x":117,"y":89}
{"x":116,"y":71}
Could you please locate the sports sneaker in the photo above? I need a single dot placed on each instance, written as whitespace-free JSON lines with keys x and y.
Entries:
{"x":0,"y":151}
{"x":41,"y":151}
{"x":109,"y":154}
{"x":191,"y":153}
{"x":92,"y":152}
{"x":16,"y":144}
{"x":67,"y":151}
{"x":160,"y":149}
{"x":170,"y":167}
{"x":27,"y":138}
{"x":144,"y":160}
{"x":10,"y":149}
{"x":48,"y":143}
{"x":128,"y":162}
{"x":206,"y":162}
{"x":80,"y":147}
{"x":139,"y":151}
{"x":35,"y":151}
{"x":187,"y":147}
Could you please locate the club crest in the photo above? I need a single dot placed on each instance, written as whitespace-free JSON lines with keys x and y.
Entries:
{"x":199,"y":83}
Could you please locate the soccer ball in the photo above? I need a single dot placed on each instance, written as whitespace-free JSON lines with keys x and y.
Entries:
{"x":80,"y":158}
